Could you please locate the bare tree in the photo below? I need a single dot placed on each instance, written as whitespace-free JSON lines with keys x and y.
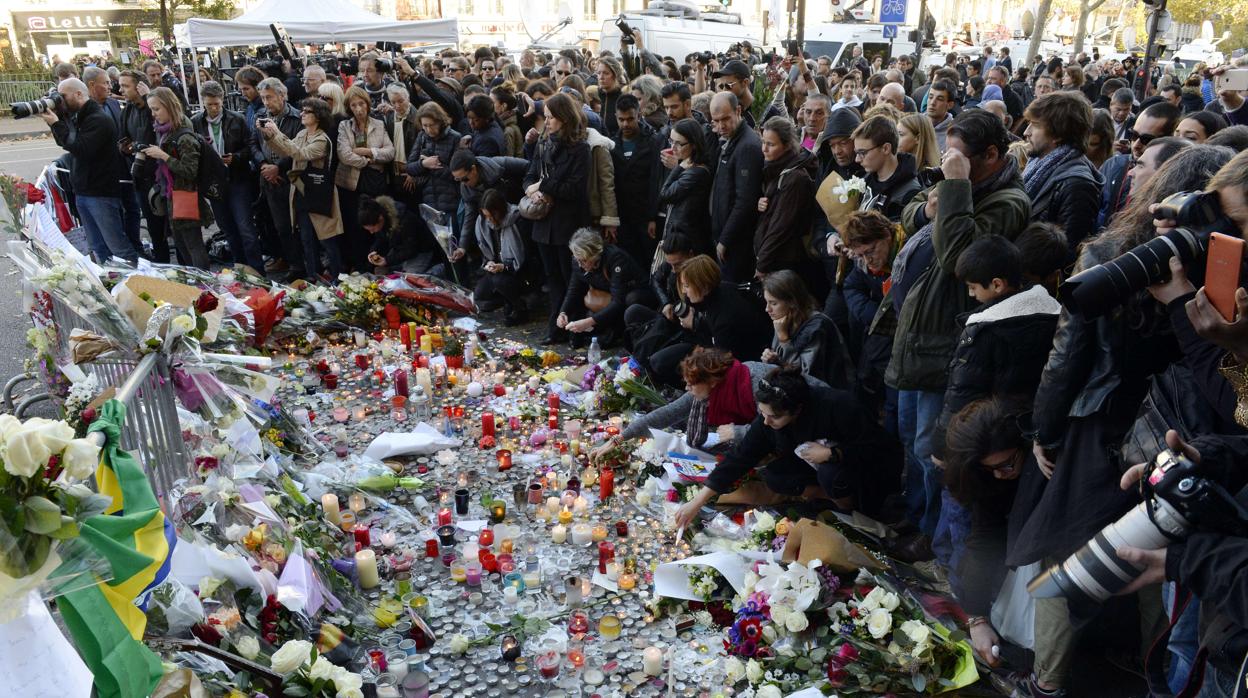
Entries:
{"x":1042,"y":17}
{"x":1086,"y":8}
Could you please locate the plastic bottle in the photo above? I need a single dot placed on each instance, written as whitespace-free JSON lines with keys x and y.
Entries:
{"x":594,"y":354}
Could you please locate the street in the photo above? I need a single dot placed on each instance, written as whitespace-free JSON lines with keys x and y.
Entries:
{"x":25,"y":159}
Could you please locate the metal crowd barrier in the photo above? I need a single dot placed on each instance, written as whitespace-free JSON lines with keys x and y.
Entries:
{"x":22,"y":91}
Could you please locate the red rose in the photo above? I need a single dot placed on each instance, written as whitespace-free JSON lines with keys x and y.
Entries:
{"x":206,"y":303}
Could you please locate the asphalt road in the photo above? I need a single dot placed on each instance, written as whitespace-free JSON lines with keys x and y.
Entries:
{"x":25,"y":159}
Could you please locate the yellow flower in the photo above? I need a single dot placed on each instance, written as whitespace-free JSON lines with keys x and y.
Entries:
{"x":255,"y":537}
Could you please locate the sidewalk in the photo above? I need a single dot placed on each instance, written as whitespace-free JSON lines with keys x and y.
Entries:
{"x":20,"y":129}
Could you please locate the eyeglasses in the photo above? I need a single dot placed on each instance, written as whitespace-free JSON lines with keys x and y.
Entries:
{"x":678,"y":144}
{"x":563,"y":72}
{"x":725,"y":86}
{"x":863,"y":153}
{"x":1143,"y":138}
{"x":765,"y":384}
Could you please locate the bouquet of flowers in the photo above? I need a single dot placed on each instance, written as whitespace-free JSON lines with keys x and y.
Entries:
{"x":840,"y":197}
{"x":615,"y":386}
{"x":308,"y":674}
{"x":359,"y":301}
{"x":768,"y":87}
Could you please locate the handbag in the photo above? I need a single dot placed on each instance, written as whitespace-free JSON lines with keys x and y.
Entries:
{"x":318,"y":186}
{"x":185,"y":205}
{"x":532,"y":209}
{"x":371,"y":182}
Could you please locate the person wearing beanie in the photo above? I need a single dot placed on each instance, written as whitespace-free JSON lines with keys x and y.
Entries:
{"x":835,"y":147}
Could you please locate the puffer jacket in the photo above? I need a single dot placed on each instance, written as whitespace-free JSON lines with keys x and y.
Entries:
{"x":566,"y":181}
{"x":927,"y":324}
{"x":782,"y":231}
{"x":686,"y":194}
{"x":437,"y":187}
{"x":1068,"y":197}
{"x":603,"y":209}
{"x":488,"y":142}
{"x":616,"y":273}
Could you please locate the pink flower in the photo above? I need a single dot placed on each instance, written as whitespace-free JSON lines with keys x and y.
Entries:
{"x":673,"y":496}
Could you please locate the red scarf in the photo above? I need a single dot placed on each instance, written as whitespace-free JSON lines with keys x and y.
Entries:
{"x":732,"y":401}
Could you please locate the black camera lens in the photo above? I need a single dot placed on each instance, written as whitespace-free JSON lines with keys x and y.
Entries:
{"x":930,"y":176}
{"x":21,"y":110}
{"x":1094,"y":292}
{"x":383,"y":65}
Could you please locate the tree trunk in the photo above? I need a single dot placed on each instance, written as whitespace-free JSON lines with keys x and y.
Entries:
{"x":1086,"y":9}
{"x":1042,"y":16}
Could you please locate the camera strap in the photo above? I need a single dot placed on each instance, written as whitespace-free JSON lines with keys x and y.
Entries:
{"x":1156,"y":663}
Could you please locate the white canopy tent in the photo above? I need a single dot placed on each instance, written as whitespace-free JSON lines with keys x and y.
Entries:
{"x":314,"y":21}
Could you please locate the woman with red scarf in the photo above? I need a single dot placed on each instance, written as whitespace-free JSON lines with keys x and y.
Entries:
{"x":719,"y":397}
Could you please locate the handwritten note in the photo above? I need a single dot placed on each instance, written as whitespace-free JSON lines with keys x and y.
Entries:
{"x":37,"y":660}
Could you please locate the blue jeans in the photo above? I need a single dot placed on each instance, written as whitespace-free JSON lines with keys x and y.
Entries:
{"x":102,"y":218}
{"x":233,"y":216}
{"x":1184,"y":638}
{"x":917,"y":413}
{"x":131,"y":215}
{"x":953,"y":527}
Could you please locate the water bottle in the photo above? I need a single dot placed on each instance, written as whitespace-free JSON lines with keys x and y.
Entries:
{"x":595,"y":352}
{"x":420,"y":405}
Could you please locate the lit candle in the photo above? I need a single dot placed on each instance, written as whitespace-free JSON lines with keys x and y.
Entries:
{"x":613,"y":571}
{"x":356,"y":502}
{"x":341,"y":414}
{"x":503,"y":454}
{"x":425,"y":380}
{"x":361,"y":413}
{"x":652,"y":661}
{"x":329,"y":504}
{"x":627,"y":581}
{"x":400,"y":382}
{"x":361,"y":339}
{"x":366,"y":568}
{"x":389,"y":539}
{"x":565,"y":516}
{"x":559,"y":533}
{"x":405,"y":336}
{"x":533,"y":580}
{"x":471,"y":551}
{"x":606,"y":484}
{"x":582,"y":534}
{"x":552,"y":505}
{"x":444,"y":516}
{"x":487,"y":424}
{"x":498,"y":511}
{"x":426,"y":343}
{"x":599,"y":532}
{"x":580,"y":505}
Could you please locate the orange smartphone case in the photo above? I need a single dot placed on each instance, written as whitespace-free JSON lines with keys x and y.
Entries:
{"x":1222,"y":273}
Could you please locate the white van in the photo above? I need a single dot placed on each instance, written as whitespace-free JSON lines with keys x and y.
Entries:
{"x":677,"y":29}
{"x":836,"y":40}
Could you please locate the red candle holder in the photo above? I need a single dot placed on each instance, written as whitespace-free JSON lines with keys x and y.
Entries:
{"x":431,"y":548}
{"x":487,"y":424}
{"x":513,"y":423}
{"x":504,"y":459}
{"x":606,"y":553}
{"x":331,"y":380}
{"x":362,"y":361}
{"x":621,"y":529}
{"x":552,"y":400}
{"x":489,"y":562}
{"x":444,"y":516}
{"x":405,"y":336}
{"x":499,"y":390}
{"x":391,"y":312}
{"x":486,"y":539}
{"x":362,"y":535}
{"x":400,"y":380}
{"x":606,"y":483}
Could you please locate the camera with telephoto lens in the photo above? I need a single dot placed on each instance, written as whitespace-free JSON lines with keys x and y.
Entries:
{"x":705,"y":57}
{"x":21,"y":110}
{"x":930,"y":176}
{"x":1178,"y":500}
{"x":1095,"y":291}
{"x":383,"y":65}
{"x":626,"y":32}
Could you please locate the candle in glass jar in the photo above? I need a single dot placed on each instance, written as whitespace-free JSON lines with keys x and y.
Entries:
{"x":582,"y":534}
{"x":503,"y":454}
{"x":627,"y":581}
{"x":444,"y":516}
{"x":559,"y":533}
{"x":329,"y":504}
{"x":426,"y":343}
{"x":356,"y":502}
{"x":498,"y":511}
{"x":652,"y":661}
{"x":366,"y":568}
{"x":331,"y":383}
{"x":552,"y":505}
{"x":341,"y":414}
{"x":599,"y":532}
{"x":362,"y":537}
{"x":609,"y":626}
{"x":580,"y":505}
{"x":400,"y":383}
{"x":532,"y":579}
{"x":405,"y":336}
{"x":487,"y":537}
{"x":606,"y":483}
{"x":361,"y":413}
{"x":487,"y":424}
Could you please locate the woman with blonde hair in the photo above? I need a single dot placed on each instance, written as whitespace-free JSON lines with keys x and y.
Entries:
{"x":648,"y":90}
{"x":333,"y":95}
{"x":364,"y":149}
{"x":176,"y":195}
{"x":918,"y":138}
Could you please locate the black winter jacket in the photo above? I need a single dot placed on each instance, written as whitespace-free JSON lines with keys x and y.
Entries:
{"x":735,"y":191}
{"x":891,"y":196}
{"x":437,"y":187}
{"x":783,"y":230}
{"x":289,"y":124}
{"x":731,"y":319}
{"x":637,"y":176}
{"x":236,"y":138}
{"x":616,"y":274}
{"x":410,"y":239}
{"x":566,"y":182}
{"x":90,"y":136}
{"x":687,"y":193}
{"x":1068,"y":197}
{"x":489,"y":142}
{"x":818,"y":348}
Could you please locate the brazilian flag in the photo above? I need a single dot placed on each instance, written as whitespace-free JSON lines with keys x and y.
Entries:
{"x":107,"y":620}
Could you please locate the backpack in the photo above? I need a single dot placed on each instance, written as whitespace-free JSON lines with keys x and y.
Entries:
{"x":214,"y":177}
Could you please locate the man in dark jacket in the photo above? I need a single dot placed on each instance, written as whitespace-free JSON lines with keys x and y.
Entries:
{"x":273,"y":167}
{"x":485,"y":136}
{"x":890,"y":179}
{"x":637,"y":180}
{"x":736,"y":188}
{"x":425,"y":90}
{"x":835,"y":146}
{"x":1157,"y":121}
{"x":478,"y":175}
{"x":100,"y":88}
{"x":1063,"y":185}
{"x":982,"y":194}
{"x":999,"y":76}
{"x":90,"y":136}
{"x":228,"y":134}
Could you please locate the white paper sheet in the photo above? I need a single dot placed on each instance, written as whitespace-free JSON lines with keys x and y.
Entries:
{"x":423,"y":440}
{"x":37,"y":660}
{"x":671,"y":579}
{"x":605,"y":582}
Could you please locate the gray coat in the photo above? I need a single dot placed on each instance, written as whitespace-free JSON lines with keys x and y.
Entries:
{"x":511,"y":245}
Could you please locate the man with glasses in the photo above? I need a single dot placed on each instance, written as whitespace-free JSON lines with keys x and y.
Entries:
{"x":476,"y":175}
{"x":890,"y":179}
{"x":735,"y":77}
{"x":488,"y":72}
{"x":1121,"y":104}
{"x":274,"y":183}
{"x":1158,"y":120}
{"x":373,"y":80}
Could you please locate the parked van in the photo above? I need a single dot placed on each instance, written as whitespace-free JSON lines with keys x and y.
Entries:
{"x":678,"y":28}
{"x":837,"y":40}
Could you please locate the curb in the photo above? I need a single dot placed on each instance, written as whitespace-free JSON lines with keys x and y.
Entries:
{"x":23,"y":135}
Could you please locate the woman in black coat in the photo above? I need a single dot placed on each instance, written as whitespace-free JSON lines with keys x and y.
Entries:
{"x":429,"y":160}
{"x":687,"y":191}
{"x":560,"y":175}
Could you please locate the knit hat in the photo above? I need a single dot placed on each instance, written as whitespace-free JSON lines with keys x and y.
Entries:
{"x":842,"y":122}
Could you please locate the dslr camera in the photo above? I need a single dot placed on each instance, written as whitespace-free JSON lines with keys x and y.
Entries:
{"x":626,"y":31}
{"x":53,"y":102}
{"x":705,"y":57}
{"x":1096,"y":291}
{"x":1178,"y":500}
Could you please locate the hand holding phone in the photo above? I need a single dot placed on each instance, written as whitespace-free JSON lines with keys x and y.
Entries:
{"x":1222,"y":273}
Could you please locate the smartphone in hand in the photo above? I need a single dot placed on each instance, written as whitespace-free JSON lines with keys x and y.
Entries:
{"x":1222,"y":273}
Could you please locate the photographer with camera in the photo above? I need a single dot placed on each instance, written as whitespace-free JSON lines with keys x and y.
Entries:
{"x":136,"y":127}
{"x":160,"y":76}
{"x":89,"y":134}
{"x":273,"y":166}
{"x":100,"y":88}
{"x":375,"y":76}
{"x":424,"y":91}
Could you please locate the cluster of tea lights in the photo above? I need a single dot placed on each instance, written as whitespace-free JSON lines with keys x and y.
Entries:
{"x":560,"y":509}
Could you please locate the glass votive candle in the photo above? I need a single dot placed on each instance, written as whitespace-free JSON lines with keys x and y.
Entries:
{"x":506,"y":546}
{"x":510,"y":648}
{"x":486,"y":538}
{"x":346,"y":519}
{"x":461,"y":501}
{"x":446,"y":536}
{"x":475,"y":598}
{"x":532,"y":579}
{"x":341,"y":414}
{"x":472,"y":574}
{"x":514,"y":579}
{"x":578,"y":624}
{"x":572,"y":591}
{"x":459,"y":572}
{"x":498,"y":511}
{"x":609,"y":626}
{"x":431,"y":545}
{"x":576,"y":654}
{"x":599,"y":532}
{"x":519,"y":494}
{"x":331,"y":382}
{"x":510,"y":596}
{"x":535,"y":492}
{"x":397,"y":665}
{"x":356,"y":502}
{"x":341,"y":449}
{"x":504,"y":459}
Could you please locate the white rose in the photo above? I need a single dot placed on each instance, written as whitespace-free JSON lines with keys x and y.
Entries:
{"x":796,"y":622}
{"x":839,"y":610}
{"x":779,"y":614}
{"x":247,"y":647}
{"x":182,"y":323}
{"x":28,"y":448}
{"x":751,"y":579}
{"x":8,"y":426}
{"x":459,"y":644}
{"x":322,"y":668}
{"x":879,"y":622}
{"x":769,"y":691}
{"x":734,"y":668}
{"x":769,"y":633}
{"x":347,"y":680}
{"x":349,"y":693}
{"x":764,"y":522}
{"x":890,"y":601}
{"x":81,"y":457}
{"x":236,"y":532}
{"x":872,"y":600}
{"x":753,"y":671}
{"x":291,"y":656}
{"x":917,"y":631}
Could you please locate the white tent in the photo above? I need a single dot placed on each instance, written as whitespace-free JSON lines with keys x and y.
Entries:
{"x":316,"y":21}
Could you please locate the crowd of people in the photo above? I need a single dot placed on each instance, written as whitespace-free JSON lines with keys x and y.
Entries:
{"x":661,"y":208}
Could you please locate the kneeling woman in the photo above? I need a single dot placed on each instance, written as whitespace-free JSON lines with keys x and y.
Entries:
{"x":604,"y":281}
{"x":719,"y":397}
{"x":823,"y":445}
{"x":401,"y":241}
